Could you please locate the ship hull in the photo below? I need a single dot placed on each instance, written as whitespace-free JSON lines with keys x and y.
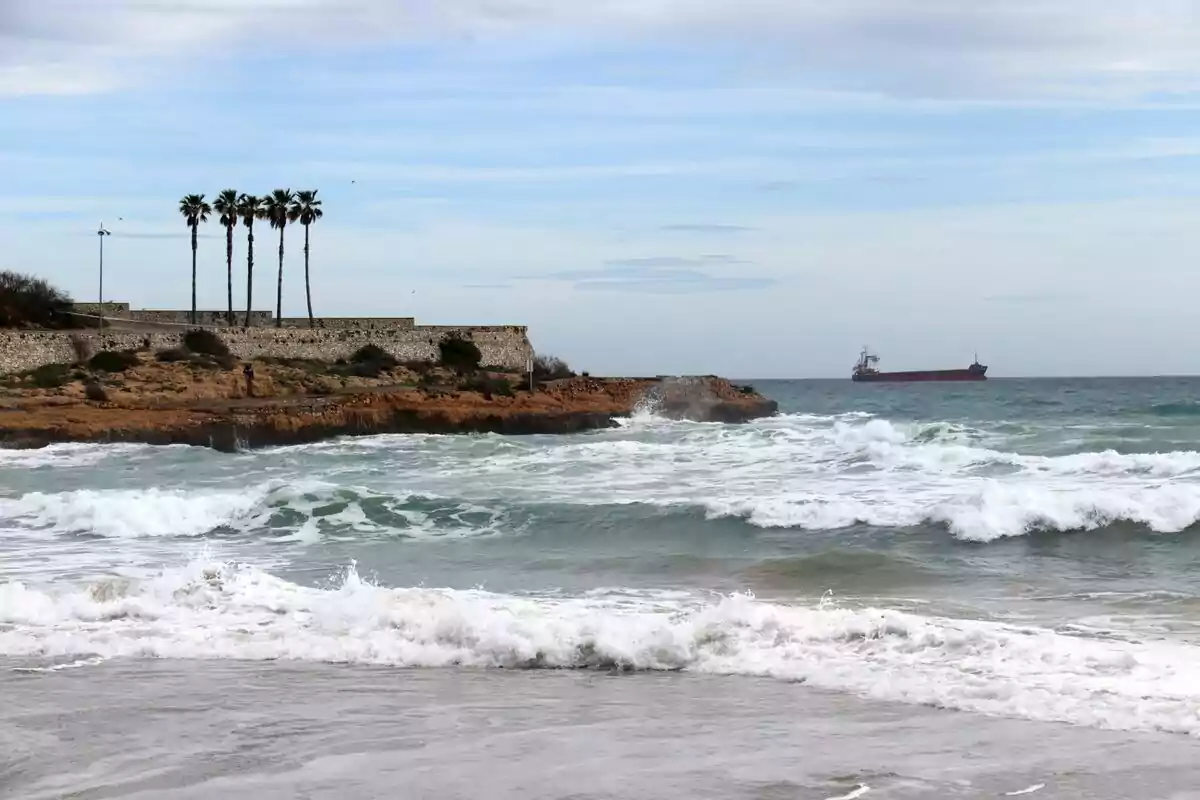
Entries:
{"x":923,"y":376}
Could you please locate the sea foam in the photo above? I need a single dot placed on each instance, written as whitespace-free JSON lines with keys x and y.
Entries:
{"x":211,"y":610}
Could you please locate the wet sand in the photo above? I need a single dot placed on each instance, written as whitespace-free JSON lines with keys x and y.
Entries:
{"x":177,"y":730}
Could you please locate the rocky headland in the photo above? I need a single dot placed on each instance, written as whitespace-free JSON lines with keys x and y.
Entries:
{"x":202,"y":400}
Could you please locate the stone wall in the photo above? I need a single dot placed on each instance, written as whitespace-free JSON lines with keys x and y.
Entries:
{"x":506,"y":346}
{"x":110,"y":309}
{"x":353,"y":323}
{"x":204,"y":317}
{"x":258,"y":319}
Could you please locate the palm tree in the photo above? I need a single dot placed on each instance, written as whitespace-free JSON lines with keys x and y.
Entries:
{"x":226,"y":205}
{"x":306,"y":210}
{"x":249,"y":208}
{"x":195,"y":211}
{"x":276,"y":209}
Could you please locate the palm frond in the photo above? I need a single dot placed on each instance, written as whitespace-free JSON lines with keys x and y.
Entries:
{"x":306,"y":208}
{"x":226,"y":205}
{"x":194,"y":209}
{"x":276,"y":207}
{"x":249,"y":208}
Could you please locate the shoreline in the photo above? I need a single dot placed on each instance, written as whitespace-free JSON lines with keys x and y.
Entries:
{"x":231,"y":423}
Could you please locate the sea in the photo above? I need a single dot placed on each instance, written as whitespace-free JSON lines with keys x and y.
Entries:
{"x":886,"y":591}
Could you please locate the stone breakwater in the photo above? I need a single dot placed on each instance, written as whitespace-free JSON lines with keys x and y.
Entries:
{"x":569,"y":406}
{"x":503,"y":346}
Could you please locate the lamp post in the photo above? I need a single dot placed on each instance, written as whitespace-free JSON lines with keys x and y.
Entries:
{"x":102,"y":232}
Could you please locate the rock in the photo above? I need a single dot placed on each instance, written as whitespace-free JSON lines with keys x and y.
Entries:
{"x":167,"y":407}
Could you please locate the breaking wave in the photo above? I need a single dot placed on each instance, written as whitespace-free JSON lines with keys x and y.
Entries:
{"x":304,"y":510}
{"x":794,"y":471}
{"x":214,"y":610}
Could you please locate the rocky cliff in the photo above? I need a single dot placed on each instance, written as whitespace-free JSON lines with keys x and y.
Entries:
{"x":202,"y":405}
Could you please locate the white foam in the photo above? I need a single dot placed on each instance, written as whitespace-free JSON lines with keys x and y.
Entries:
{"x":807,"y":471}
{"x":831,"y":472}
{"x":209,"y":610}
{"x":979,"y":511}
{"x":150,"y":513}
{"x":132,"y":513}
{"x":67,"y":455}
{"x":854,"y":794}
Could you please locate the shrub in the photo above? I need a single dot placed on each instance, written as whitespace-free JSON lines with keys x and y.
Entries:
{"x":370,"y":352}
{"x":172,"y":355}
{"x":205,"y":342}
{"x":26,"y":301}
{"x":211,"y":362}
{"x":370,"y":361}
{"x":459,"y":353}
{"x":95,"y":392}
{"x":488,"y":387}
{"x":113,"y":360}
{"x":550,"y":368}
{"x":50,"y":376}
{"x":419,"y":367}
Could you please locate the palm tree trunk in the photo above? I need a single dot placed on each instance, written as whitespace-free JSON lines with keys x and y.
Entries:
{"x":229,"y":272}
{"x":307,"y":287}
{"x":249,"y":271}
{"x":195,"y":228}
{"x":279,"y":284}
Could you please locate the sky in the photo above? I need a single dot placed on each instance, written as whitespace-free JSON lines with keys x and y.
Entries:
{"x":753,"y":188}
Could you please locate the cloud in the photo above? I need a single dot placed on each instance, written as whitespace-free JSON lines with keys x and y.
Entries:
{"x":675,"y":284}
{"x":674,"y":261}
{"x":932,"y":48}
{"x":703,"y":228}
{"x":183,"y":235}
{"x":439,"y":173}
{"x":659,"y":275}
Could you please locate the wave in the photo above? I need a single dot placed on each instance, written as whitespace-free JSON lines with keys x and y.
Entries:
{"x":1175,"y":410}
{"x":794,"y":471}
{"x":984,"y":513}
{"x":304,"y":511}
{"x":226,"y":611}
{"x":843,"y":565}
{"x":62,"y":456}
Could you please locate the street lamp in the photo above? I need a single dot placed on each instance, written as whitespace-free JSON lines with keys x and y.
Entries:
{"x":102,"y":232}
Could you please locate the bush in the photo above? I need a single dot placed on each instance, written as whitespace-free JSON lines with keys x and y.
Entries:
{"x":488,"y":387}
{"x":212,"y":362}
{"x":419,"y":367}
{"x":371,"y":361}
{"x":550,"y":368}
{"x":371,"y":352}
{"x":26,"y":301}
{"x":459,"y":353}
{"x":50,"y":376}
{"x":113,"y":360}
{"x":206,"y":343}
{"x":172,"y":355}
{"x":95,"y":392}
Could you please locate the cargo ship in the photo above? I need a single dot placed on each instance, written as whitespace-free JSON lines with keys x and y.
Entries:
{"x":867,"y":371}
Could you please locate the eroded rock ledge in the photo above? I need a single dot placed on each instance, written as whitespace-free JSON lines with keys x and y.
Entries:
{"x":138,"y":411}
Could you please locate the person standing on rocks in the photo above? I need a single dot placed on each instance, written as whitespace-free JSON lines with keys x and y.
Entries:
{"x":248,"y":374}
